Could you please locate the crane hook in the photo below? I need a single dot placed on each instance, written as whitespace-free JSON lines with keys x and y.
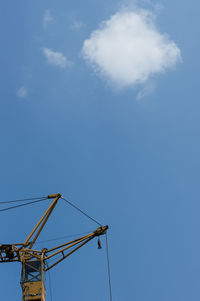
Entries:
{"x":99,"y":244}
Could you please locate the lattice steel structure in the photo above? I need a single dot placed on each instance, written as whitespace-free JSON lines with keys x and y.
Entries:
{"x":35,"y":262}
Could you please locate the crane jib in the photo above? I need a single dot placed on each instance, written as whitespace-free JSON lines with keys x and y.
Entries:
{"x":35,"y":262}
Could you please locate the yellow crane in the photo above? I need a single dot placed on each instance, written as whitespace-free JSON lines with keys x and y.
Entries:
{"x":35,"y":262}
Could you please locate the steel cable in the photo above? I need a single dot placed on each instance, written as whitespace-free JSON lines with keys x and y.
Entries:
{"x":37,"y":200}
{"x":81,"y":211}
{"x":63,"y":237}
{"x":21,"y":205}
{"x":107,"y":249}
{"x":108,"y":264}
{"x":23,"y":200}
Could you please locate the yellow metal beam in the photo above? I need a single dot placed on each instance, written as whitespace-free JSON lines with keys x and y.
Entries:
{"x":43,"y":218}
{"x":65,"y":256}
{"x":68,"y":243}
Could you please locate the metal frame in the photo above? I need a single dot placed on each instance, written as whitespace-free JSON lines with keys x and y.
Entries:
{"x":24,"y":252}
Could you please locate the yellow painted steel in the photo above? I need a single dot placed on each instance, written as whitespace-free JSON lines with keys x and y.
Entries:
{"x":34,"y":290}
{"x":34,"y":262}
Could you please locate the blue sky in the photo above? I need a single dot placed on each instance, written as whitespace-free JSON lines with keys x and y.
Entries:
{"x":118,"y":138}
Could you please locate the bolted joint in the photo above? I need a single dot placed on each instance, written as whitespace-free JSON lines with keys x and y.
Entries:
{"x":101,"y":231}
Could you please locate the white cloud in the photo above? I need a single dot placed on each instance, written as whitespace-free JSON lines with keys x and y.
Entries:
{"x":47,"y":18}
{"x":22,"y":92}
{"x":128,"y":48}
{"x":56,"y":58}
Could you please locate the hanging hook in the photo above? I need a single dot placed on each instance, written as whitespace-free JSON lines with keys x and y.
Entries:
{"x":99,"y":244}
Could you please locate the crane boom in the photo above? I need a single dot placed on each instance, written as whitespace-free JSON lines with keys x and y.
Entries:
{"x":35,"y":262}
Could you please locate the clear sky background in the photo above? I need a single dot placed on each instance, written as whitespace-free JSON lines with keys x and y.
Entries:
{"x":108,"y":115}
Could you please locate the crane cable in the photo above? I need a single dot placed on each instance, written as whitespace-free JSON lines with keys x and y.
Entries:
{"x":108,"y":265}
{"x":63,"y":237}
{"x":37,"y":200}
{"x":21,"y":205}
{"x":107,"y":249}
{"x":81,"y":211}
{"x":23,"y":200}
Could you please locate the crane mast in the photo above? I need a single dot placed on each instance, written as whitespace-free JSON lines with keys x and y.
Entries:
{"x":35,"y":262}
